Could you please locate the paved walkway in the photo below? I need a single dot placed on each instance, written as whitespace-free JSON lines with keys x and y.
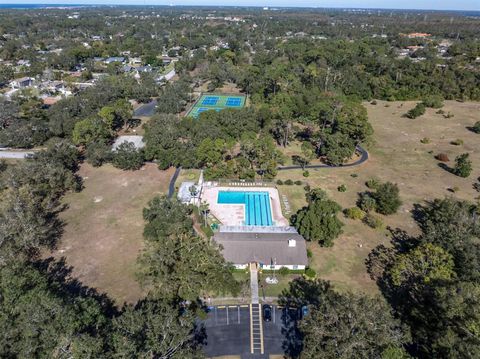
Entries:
{"x":171,"y":186}
{"x":254,"y":285}
{"x":363,"y":158}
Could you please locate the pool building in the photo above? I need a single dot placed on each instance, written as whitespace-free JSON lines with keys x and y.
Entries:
{"x":252,"y":227}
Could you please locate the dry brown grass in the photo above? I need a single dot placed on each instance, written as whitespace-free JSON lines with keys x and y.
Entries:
{"x":397,"y":156}
{"x":104,"y":225}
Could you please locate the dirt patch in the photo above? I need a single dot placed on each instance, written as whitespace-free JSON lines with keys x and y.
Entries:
{"x":397,"y":156}
{"x":104,"y":225}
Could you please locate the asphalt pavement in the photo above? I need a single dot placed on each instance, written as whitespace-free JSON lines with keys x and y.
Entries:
{"x":228,"y":332}
{"x":146,"y":110}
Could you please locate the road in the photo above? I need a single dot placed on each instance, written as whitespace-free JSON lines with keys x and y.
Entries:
{"x":146,"y":110}
{"x":363,"y":158}
{"x":228,"y":332}
{"x":15,"y":154}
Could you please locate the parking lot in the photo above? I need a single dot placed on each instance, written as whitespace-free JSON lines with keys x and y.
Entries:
{"x":228,"y":330}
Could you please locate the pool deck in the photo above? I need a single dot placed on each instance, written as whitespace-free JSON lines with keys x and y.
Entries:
{"x":234,"y":214}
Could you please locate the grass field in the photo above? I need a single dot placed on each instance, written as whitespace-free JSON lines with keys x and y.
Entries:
{"x":217,"y":102}
{"x":104,"y":225}
{"x":397,"y":156}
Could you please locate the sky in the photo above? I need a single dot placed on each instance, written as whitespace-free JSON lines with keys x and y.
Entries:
{"x":385,"y":4}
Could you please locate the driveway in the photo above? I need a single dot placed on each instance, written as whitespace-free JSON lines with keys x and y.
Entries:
{"x":228,"y":331}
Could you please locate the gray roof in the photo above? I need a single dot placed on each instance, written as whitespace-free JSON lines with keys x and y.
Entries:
{"x":136,"y":140}
{"x":242,"y":248}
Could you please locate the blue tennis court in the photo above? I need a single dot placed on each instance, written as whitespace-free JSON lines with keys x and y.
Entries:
{"x":210,"y":100}
{"x":233,"y":102}
{"x":258,"y":211}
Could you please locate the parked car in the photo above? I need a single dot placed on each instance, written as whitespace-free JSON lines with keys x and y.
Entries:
{"x":267,"y":312}
{"x":304,"y":312}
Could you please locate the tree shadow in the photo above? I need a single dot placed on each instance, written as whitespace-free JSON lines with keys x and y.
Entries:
{"x":472,"y":129}
{"x":443,"y":166}
{"x":64,"y":285}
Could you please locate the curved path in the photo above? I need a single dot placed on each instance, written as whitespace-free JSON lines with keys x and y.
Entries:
{"x":171,"y":186}
{"x":363,"y":158}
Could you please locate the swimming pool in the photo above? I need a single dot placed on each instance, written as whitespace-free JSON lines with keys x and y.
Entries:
{"x":258,"y":211}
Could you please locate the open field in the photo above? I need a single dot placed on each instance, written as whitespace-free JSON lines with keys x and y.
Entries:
{"x":104,"y":225}
{"x":397,"y":156}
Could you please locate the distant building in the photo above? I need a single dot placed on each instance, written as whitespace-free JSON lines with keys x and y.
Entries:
{"x":110,"y":60}
{"x":417,"y":35}
{"x":23,"y":82}
{"x":136,"y":140}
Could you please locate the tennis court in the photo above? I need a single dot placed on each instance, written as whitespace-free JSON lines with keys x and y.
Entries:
{"x":216,"y":102}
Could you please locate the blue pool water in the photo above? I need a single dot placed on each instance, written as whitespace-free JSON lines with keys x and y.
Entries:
{"x":257,"y":206}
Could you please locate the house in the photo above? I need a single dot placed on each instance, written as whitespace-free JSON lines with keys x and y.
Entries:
{"x":119,"y":59}
{"x":136,"y":140}
{"x":23,"y":82}
{"x":269,"y":250}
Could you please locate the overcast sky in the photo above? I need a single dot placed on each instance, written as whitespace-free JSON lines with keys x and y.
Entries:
{"x":390,"y":4}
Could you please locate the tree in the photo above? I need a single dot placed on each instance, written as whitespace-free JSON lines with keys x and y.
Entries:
{"x":422,"y":265}
{"x":210,"y":152}
{"x":98,"y":153}
{"x":337,"y":148}
{"x":175,"y":263}
{"x":92,"y":129}
{"x":463,"y":166}
{"x":127,"y":157}
{"x":352,"y":120}
{"x":318,"y":221}
{"x":154,"y":328}
{"x":342,"y":325}
{"x":387,"y":198}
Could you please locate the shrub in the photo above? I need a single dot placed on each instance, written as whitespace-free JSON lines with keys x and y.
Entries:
{"x":306,"y":173}
{"x":374,"y":102}
{"x":425,"y":140}
{"x":298,"y":183}
{"x":310,"y":273}
{"x":457,"y":142}
{"x":417,"y":111}
{"x":442,"y":157}
{"x":279,"y":182}
{"x":342,"y":188}
{"x":309,"y":253}
{"x":288,"y":182}
{"x":387,"y":198}
{"x":354,"y":175}
{"x":433,"y":101}
{"x":463,"y":166}
{"x":354,"y":213}
{"x":127,"y":157}
{"x":372,"y":221}
{"x":366,"y":202}
{"x":372,"y":183}
{"x":307,"y":188}
{"x":283,"y":271}
{"x":208,"y":231}
{"x":476,"y":127}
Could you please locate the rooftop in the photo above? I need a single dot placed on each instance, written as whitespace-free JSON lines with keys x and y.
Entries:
{"x":242,"y":248}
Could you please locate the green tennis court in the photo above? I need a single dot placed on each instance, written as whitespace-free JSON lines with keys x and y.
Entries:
{"x":216,"y":102}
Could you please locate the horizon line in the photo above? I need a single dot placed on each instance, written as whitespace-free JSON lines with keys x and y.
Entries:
{"x":270,"y":7}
